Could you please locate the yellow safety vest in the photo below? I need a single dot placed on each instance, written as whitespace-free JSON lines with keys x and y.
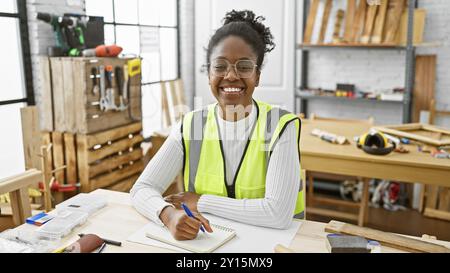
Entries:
{"x":204,"y":163}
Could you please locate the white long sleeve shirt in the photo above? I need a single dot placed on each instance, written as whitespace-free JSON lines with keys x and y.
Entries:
{"x":275,"y":210}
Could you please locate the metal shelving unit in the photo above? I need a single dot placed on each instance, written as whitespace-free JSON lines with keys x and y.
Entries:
{"x":409,"y":48}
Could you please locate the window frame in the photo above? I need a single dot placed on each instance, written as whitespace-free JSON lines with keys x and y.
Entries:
{"x":24,"y":41}
{"x":177,"y":27}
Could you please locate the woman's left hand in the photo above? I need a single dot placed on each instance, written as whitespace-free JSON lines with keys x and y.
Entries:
{"x":189,"y":198}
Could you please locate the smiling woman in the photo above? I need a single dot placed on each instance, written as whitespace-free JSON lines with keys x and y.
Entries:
{"x":240,"y":157}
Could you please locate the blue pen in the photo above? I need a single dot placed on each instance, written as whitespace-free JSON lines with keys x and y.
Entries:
{"x":189,"y":213}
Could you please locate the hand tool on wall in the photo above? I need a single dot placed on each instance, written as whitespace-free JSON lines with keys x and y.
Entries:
{"x":110,"y":90}
{"x":103,"y":99}
{"x":95,"y":87}
{"x":119,"y":80}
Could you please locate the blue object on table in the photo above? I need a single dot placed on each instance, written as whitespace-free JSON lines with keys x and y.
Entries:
{"x":405,"y":140}
{"x":189,"y":213}
{"x":39,"y":219}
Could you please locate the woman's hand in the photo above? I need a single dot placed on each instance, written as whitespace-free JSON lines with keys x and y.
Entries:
{"x":181,"y":226}
{"x":189,"y":198}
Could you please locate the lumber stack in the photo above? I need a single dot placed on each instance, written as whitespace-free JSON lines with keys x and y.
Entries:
{"x":362,"y":22}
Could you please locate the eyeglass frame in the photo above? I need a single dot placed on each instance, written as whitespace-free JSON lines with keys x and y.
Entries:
{"x":235,"y":69}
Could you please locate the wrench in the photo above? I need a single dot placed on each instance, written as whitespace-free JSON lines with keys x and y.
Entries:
{"x":103,"y":99}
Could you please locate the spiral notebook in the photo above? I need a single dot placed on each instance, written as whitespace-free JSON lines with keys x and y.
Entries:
{"x":203,"y":243}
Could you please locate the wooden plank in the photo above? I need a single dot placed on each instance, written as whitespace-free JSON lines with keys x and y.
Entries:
{"x":332,"y":213}
{"x":58,"y":155}
{"x":80,"y":100}
{"x":337,"y":26}
{"x":309,"y":28}
{"x":439,"y":214}
{"x":178,"y":105}
{"x":116,"y":176}
{"x":113,"y":134}
{"x":386,"y":238}
{"x":69,"y":94}
{"x":108,"y":164}
{"x":46,"y":175}
{"x":180,"y":91}
{"x":115,"y":147}
{"x":70,"y":158}
{"x":399,"y":131}
{"x":444,"y":199}
{"x":19,"y":181}
{"x":370,"y":22}
{"x":359,"y":21}
{"x":395,"y":11}
{"x":419,"y":27}
{"x":124,"y":185}
{"x":349,"y":19}
{"x":165,"y":106}
{"x":58,"y":94}
{"x":16,"y":207}
{"x":364,"y":205}
{"x":377,"y":36}
{"x":31,"y":136}
{"x":83,"y":163}
{"x":46,"y":97}
{"x":325,"y":19}
{"x":338,"y":202}
{"x":424,"y":84}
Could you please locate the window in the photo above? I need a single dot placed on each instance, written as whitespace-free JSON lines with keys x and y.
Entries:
{"x":16,"y":90}
{"x":148,"y":29}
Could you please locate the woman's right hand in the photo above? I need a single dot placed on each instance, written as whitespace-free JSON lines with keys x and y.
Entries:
{"x":181,"y":226}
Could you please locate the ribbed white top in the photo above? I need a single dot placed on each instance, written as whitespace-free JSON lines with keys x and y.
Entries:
{"x":282,"y":180}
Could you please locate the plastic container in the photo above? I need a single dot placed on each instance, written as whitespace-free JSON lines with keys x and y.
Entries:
{"x":62,"y":224}
{"x":84,"y":202}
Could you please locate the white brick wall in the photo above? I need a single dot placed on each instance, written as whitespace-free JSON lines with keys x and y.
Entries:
{"x":380,"y":69}
{"x":41,"y":33}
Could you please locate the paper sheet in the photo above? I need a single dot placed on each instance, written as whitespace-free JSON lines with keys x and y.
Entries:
{"x":249,"y":238}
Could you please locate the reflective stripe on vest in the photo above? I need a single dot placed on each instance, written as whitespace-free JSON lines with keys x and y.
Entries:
{"x":204,"y":165}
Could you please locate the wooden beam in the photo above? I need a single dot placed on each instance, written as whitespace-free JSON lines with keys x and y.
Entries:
{"x":332,"y":213}
{"x":31,"y":137}
{"x":386,"y":238}
{"x":310,"y":22}
{"x":113,"y":134}
{"x":325,"y":18}
{"x":369,"y":25}
{"x":377,"y":36}
{"x":16,"y":182}
{"x":349,"y":20}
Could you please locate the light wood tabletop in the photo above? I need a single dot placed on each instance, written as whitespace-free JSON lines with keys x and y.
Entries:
{"x":321,"y":156}
{"x":118,"y":220}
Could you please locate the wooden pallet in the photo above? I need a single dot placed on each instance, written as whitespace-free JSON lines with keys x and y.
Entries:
{"x":437,"y":204}
{"x":75,"y":107}
{"x":110,"y":159}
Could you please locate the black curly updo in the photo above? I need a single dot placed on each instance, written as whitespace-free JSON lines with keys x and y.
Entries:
{"x":246,"y":25}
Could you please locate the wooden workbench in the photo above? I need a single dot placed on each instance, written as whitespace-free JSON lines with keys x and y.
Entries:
{"x":321,"y":156}
{"x":119,"y":220}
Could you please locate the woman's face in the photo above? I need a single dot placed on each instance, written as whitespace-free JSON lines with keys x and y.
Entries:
{"x":230,"y":89}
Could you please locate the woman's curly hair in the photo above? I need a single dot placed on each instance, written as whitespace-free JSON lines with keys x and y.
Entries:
{"x":246,"y":25}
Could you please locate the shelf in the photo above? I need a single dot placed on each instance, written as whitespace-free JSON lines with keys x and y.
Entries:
{"x":300,"y":95}
{"x":352,"y":46}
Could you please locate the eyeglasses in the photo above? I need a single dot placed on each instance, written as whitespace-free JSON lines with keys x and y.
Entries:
{"x":242,"y":68}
